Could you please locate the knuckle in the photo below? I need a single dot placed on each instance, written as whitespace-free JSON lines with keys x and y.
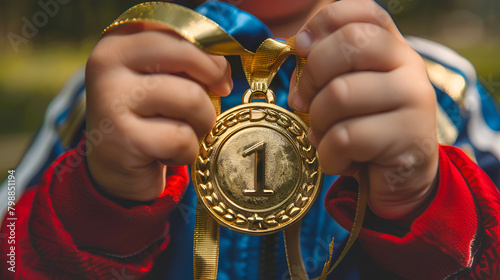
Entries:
{"x":355,"y":37}
{"x":337,"y":93}
{"x":95,"y":61}
{"x":182,"y":138}
{"x":329,"y":16}
{"x":349,"y":33}
{"x":184,"y":143}
{"x":423,"y":94}
{"x":194,"y":95}
{"x":134,"y":144}
{"x":100,"y":56}
{"x":378,"y":14}
{"x":339,"y":136}
{"x":372,"y":30}
{"x":421,"y":90}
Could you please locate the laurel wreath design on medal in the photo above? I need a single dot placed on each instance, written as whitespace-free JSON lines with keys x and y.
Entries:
{"x":247,"y":221}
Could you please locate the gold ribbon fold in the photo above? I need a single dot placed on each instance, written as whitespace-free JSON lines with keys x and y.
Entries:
{"x":260,"y":68}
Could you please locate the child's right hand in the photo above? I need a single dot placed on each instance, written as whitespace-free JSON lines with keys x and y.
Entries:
{"x":152,"y":86}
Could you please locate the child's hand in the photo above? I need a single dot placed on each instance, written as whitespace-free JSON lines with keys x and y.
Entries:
{"x":370,"y":101}
{"x":152,"y":87}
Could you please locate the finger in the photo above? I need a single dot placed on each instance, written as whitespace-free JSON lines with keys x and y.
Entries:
{"x":348,"y":49}
{"x":292,"y":89}
{"x":371,"y":138}
{"x":174,"y":98}
{"x":339,"y":14}
{"x":171,"y":141}
{"x":153,"y":52}
{"x":356,"y":94}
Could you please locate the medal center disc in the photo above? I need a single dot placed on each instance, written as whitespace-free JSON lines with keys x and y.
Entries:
{"x":257,"y":168}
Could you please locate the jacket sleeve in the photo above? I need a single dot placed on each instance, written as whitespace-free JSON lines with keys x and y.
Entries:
{"x":67,"y":228}
{"x":456,"y":236}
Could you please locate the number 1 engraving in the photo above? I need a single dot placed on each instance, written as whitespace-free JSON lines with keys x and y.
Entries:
{"x":259,"y":150}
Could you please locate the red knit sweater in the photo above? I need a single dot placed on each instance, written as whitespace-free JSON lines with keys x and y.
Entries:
{"x":66,"y":229}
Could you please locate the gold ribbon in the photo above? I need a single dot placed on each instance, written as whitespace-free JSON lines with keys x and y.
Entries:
{"x":359,"y":217}
{"x":260,"y":68}
{"x":206,"y":245}
{"x":292,"y":236}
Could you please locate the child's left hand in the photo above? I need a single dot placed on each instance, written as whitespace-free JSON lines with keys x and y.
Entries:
{"x":371,"y":102}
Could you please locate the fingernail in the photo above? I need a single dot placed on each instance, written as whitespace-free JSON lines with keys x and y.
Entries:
{"x":298,"y":103}
{"x":304,"y":40}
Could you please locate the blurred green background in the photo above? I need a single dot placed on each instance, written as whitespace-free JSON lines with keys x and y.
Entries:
{"x":34,"y":69}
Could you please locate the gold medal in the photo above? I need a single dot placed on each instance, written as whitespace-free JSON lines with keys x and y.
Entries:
{"x":256,"y":171}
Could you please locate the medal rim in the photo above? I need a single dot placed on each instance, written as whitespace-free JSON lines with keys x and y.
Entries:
{"x":282,"y":225}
